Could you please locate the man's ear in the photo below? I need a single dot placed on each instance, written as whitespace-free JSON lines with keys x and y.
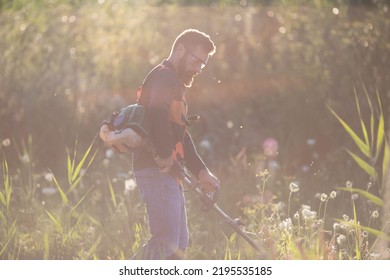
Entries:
{"x":180,"y":50}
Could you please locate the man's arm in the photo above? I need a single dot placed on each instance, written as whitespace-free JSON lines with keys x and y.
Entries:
{"x":197,"y":167}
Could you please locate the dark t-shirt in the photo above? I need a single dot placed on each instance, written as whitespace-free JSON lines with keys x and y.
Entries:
{"x":163,"y":94}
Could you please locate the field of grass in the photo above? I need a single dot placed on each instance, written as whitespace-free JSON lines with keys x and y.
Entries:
{"x":294,"y":107}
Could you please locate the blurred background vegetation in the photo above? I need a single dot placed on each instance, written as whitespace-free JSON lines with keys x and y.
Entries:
{"x":66,"y":65}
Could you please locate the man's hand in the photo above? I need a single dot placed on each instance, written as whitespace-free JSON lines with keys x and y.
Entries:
{"x":207,"y":180}
{"x":164,"y":164}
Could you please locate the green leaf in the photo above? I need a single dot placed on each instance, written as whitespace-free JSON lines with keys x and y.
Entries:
{"x":81,"y":163}
{"x":386,"y":160}
{"x":373,"y":198}
{"x":380,"y":136}
{"x":370,"y":170}
{"x":355,"y":224}
{"x":364,"y":148}
{"x":56,"y":223}
{"x":112,"y":193}
{"x":364,"y":130}
{"x":70,"y":167}
{"x":2,"y":199}
{"x":373,"y":231}
{"x":62,"y":194}
{"x":80,"y":201}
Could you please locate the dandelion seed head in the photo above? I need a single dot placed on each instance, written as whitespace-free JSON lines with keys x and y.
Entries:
{"x":286,"y":224}
{"x":354,"y":196}
{"x":307,"y":214}
{"x":294,"y":187}
{"x":130,"y":184}
{"x":341,"y":239}
{"x":375,"y":214}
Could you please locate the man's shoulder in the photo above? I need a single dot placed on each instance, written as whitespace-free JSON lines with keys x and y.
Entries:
{"x":164,"y":74}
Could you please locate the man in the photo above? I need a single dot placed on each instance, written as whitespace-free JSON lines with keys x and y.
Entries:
{"x":162,"y":93}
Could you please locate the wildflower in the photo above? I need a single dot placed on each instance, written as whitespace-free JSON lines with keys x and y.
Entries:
{"x":336,"y":226}
{"x":263,"y":173}
{"x":365,"y":233}
{"x":130,"y":185}
{"x":332,"y":195}
{"x":320,"y":221}
{"x":294,"y":187}
{"x":324,"y":196}
{"x":341,"y":239}
{"x":345,"y":217}
{"x":296,"y":215}
{"x":307,"y":214}
{"x":355,"y":196}
{"x":375,"y":214}
{"x":349,"y":184}
{"x":6,"y":142}
{"x":286,"y":224}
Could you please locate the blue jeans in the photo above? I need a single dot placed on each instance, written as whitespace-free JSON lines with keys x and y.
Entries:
{"x":165,"y":204}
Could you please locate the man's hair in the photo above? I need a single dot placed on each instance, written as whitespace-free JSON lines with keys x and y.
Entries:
{"x":191,"y":38}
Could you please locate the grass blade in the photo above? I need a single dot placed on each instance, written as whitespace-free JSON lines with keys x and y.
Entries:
{"x":112,"y":193}
{"x":373,"y":198}
{"x":70,"y":166}
{"x":62,"y":194}
{"x":355,"y":224}
{"x":369,"y":169}
{"x":81,"y":163}
{"x":363,"y":125}
{"x":56,"y":223}
{"x":364,"y":148}
{"x":81,"y":200}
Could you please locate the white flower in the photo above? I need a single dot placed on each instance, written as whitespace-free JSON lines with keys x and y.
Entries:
{"x":349,"y":184}
{"x":286,"y":224}
{"x":332,"y":195}
{"x":294,"y":187}
{"x":375,"y":214}
{"x":355,"y":196}
{"x":130,"y":185}
{"x":308,"y":214}
{"x":341,"y":239}
{"x":324,"y":196}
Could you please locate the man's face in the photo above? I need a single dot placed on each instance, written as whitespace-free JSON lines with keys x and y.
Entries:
{"x":191,"y":64}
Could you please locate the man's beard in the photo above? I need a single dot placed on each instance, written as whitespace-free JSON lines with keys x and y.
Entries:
{"x":187,"y":77}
